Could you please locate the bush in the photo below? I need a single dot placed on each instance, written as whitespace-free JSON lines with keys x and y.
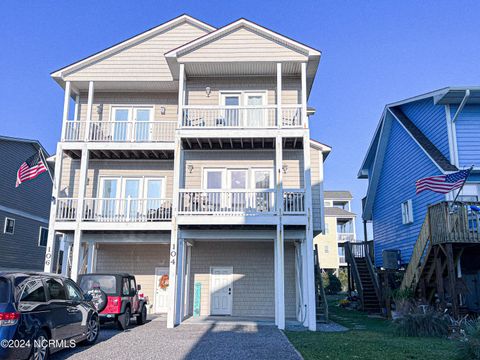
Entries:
{"x":470,"y":346}
{"x":331,"y":283}
{"x":343,"y":277}
{"x":418,"y":325}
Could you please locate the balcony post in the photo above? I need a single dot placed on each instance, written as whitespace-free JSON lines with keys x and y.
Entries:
{"x":50,"y":249}
{"x":181,"y":94}
{"x":307,"y":182}
{"x":80,"y":204}
{"x":279,"y":277}
{"x":304,"y":95}
{"x":89,"y":109}
{"x":67,"y":245}
{"x":279,"y":95}
{"x":66,"y":109}
{"x":92,"y":256}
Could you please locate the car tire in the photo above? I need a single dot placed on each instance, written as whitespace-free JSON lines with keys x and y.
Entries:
{"x":124,"y":319}
{"x":40,"y":352}
{"x":142,"y":316}
{"x":93,"y":329}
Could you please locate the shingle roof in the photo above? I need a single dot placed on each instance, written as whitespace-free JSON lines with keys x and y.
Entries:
{"x":340,"y":194}
{"x":424,"y":142}
{"x":336,"y":211}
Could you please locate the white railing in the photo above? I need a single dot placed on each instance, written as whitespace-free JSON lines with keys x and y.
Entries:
{"x":121,"y":131}
{"x":226,"y":202}
{"x":132,"y":131}
{"x":343,"y":237}
{"x":127,"y":210}
{"x":66,"y":209}
{"x":293,"y":201}
{"x":75,"y":130}
{"x":240,"y":116}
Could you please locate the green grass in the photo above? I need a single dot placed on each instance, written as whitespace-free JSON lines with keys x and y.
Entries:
{"x":367,"y":338}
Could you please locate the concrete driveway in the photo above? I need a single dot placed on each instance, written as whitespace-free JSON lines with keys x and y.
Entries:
{"x":187,"y":341}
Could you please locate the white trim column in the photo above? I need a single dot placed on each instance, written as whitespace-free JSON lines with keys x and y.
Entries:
{"x":50,"y":249}
{"x":279,"y":95}
{"x":91,"y":90}
{"x":66,"y":108}
{"x":188,"y":259}
{"x":279,"y":247}
{"x":92,"y":254}
{"x":304,"y":95}
{"x":173,"y":306}
{"x":67,"y":245}
{"x":80,"y":202}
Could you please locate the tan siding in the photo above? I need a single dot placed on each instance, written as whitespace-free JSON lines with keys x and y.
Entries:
{"x":105,"y":100}
{"x":142,"y":62}
{"x":242,"y":45}
{"x":328,"y":260}
{"x":138,"y":260}
{"x":126,"y":168}
{"x":200,"y":160}
{"x":196,"y":95}
{"x":253,"y":277}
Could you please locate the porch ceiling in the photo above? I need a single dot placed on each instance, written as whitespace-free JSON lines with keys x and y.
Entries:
{"x":239,"y":143}
{"x":134,"y":154}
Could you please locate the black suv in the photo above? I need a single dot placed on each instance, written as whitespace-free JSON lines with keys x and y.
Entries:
{"x":42,"y":313}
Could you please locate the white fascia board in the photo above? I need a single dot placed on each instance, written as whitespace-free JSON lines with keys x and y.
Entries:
{"x":162,"y":27}
{"x":363,"y":172}
{"x":237,"y":24}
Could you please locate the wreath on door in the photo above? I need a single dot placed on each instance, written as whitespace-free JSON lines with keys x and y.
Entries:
{"x":164,"y":282}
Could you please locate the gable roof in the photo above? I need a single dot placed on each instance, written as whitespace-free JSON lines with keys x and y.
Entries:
{"x":337,"y":212}
{"x":131,"y":41}
{"x":337,"y":195}
{"x":35,"y":143}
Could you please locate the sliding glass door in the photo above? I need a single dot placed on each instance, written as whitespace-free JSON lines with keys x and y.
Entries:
{"x":132,"y":123}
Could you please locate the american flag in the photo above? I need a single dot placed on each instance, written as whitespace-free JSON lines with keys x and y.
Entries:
{"x":443,"y":183}
{"x":30,"y":169}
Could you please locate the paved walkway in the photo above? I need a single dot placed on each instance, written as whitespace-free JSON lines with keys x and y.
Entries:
{"x":187,"y":341}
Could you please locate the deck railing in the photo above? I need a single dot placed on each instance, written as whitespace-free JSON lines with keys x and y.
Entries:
{"x":343,"y":237}
{"x":226,"y":202}
{"x":127,"y":210}
{"x":293,"y":201}
{"x":66,"y":209}
{"x":121,"y":131}
{"x":196,"y":116}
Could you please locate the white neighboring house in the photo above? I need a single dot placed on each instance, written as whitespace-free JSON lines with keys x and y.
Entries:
{"x":186,"y":150}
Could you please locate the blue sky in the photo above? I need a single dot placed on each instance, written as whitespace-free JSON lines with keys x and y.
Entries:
{"x":373,"y":53}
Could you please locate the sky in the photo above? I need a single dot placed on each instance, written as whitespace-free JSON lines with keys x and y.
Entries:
{"x":373,"y":53}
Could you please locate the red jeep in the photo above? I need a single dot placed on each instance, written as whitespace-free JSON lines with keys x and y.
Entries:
{"x":116,"y":297}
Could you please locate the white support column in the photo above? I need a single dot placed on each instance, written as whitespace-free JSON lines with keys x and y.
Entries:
{"x":188,"y":258}
{"x":310,"y":284}
{"x":279,"y":244}
{"x":173,"y":307}
{"x":303,"y":257}
{"x":304,"y":95}
{"x":299,"y":303}
{"x":91,"y":257}
{"x":67,"y":243}
{"x":66,"y":108}
{"x":81,"y":196}
{"x":91,"y":89}
{"x":50,"y":249}
{"x":279,"y":95}
{"x":180,"y":281}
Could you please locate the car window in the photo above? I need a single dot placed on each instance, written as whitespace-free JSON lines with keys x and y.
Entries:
{"x":4,"y":290}
{"x":125,"y":287}
{"x":33,"y":291}
{"x":133,"y":288}
{"x":56,"y":289}
{"x":107,"y":283}
{"x":72,"y":292}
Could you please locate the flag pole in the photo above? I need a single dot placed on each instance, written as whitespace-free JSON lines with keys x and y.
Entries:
{"x":44,"y":160}
{"x":461,"y":187}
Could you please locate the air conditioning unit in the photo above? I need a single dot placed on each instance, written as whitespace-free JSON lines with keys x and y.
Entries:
{"x":391,"y":259}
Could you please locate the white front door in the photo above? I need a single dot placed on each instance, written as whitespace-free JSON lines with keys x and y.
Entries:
{"x":221,"y":281}
{"x":161,"y":295}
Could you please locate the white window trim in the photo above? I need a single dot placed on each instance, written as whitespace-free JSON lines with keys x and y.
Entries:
{"x":407,"y":212}
{"x":242,"y":94}
{"x":121,"y":185}
{"x":5,"y":226}
{"x":40,"y":236}
{"x":252,"y":177}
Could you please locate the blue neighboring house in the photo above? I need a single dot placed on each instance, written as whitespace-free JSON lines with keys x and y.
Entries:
{"x":431,"y":134}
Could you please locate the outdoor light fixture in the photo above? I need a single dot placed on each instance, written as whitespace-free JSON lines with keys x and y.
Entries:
{"x":208,"y":90}
{"x":285,"y":169}
{"x":190,"y":168}
{"x":99,"y":109}
{"x":163,"y":110}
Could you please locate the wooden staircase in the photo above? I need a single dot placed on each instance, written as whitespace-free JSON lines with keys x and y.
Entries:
{"x":364,"y":277}
{"x":320,"y":297}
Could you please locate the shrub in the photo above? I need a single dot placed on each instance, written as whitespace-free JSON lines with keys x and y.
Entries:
{"x":343,"y":277}
{"x":418,"y":325}
{"x":333,"y":285}
{"x":470,"y":346}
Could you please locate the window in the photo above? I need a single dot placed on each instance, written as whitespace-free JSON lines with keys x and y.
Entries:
{"x":407,"y":212}
{"x":328,"y":203}
{"x":133,"y":287}
{"x":468,"y":198}
{"x":326,"y":249}
{"x":327,"y":231}
{"x":4,"y":290}
{"x":56,"y":289}
{"x":125,"y":287}
{"x":33,"y":292}
{"x":43,"y":236}
{"x":9,"y":227}
{"x":72,"y":292}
